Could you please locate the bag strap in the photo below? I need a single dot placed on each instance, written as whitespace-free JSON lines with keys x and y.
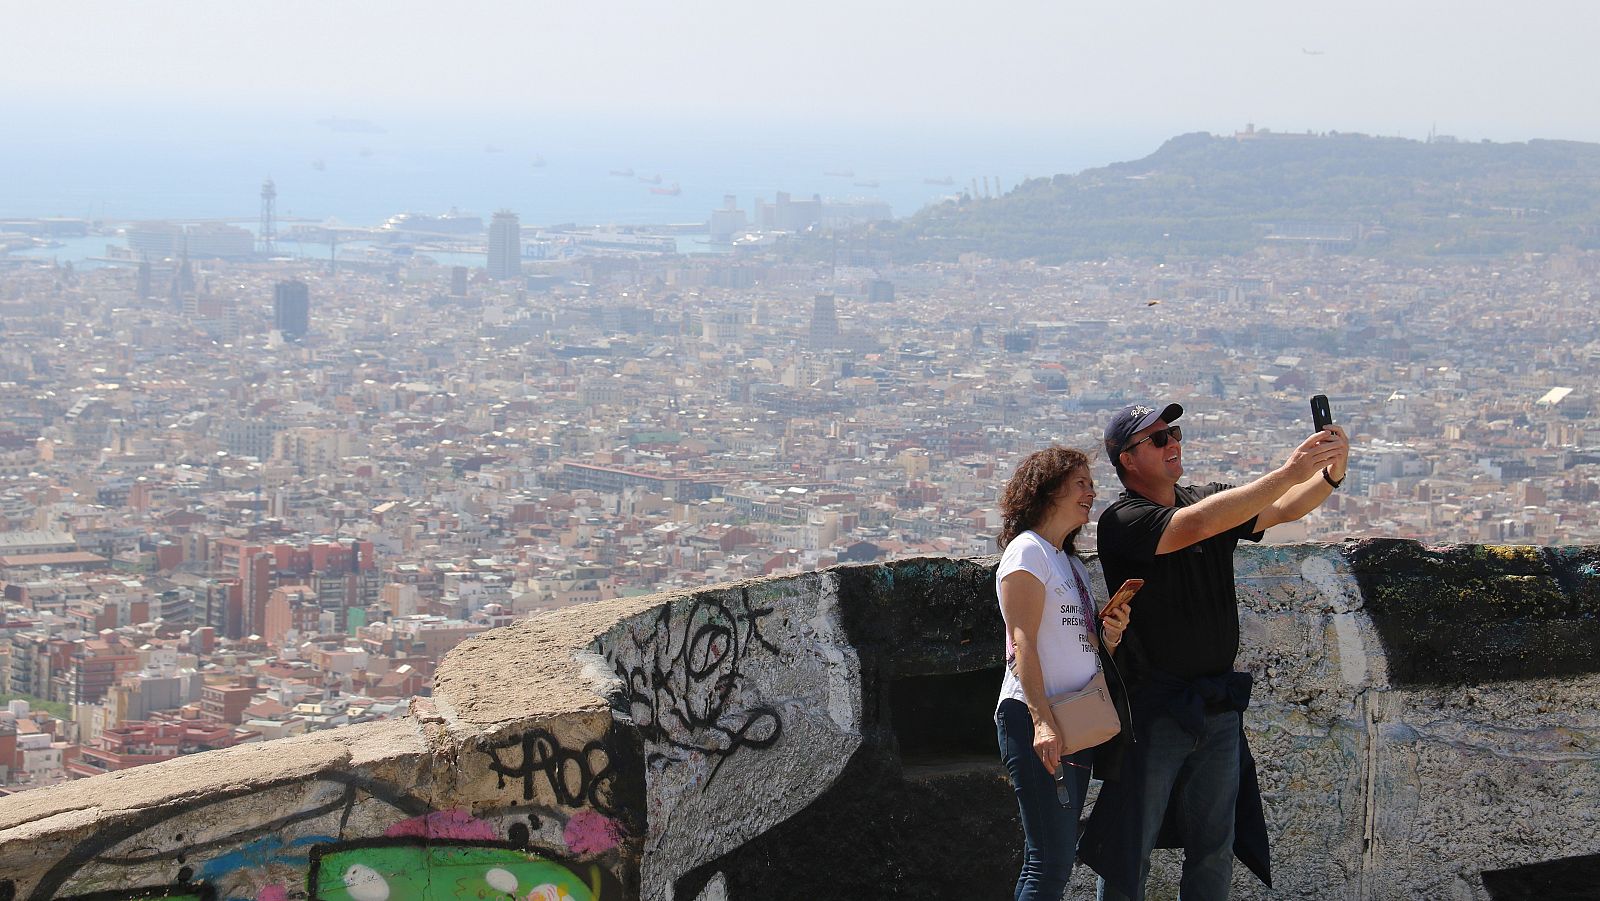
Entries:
{"x":1086,"y":603}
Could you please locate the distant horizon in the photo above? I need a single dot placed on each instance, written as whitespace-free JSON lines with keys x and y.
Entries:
{"x":173,"y":162}
{"x":360,"y":169}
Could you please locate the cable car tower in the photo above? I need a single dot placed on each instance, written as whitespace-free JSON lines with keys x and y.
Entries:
{"x":268,"y":235}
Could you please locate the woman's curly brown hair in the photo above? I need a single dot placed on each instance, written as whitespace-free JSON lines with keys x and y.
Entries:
{"x":1032,"y":488}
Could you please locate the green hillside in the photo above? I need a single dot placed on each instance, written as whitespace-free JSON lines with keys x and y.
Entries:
{"x":1201,"y":194}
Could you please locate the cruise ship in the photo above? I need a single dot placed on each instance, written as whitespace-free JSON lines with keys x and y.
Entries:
{"x":451,"y":223}
{"x":607,"y":241}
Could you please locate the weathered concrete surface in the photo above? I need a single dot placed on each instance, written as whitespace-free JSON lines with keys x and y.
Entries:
{"x":1373,"y":790}
{"x":1421,"y":716}
{"x":747,"y":699}
{"x":882,"y":831}
{"x":1477,"y":613}
{"x":943,"y":826}
{"x":530,"y":669}
{"x":218,"y":772}
{"x":129,"y":828}
{"x":1384,"y":788}
{"x":516,"y":765}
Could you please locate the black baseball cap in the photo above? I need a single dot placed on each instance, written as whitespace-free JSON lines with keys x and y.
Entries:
{"x":1133,"y":419}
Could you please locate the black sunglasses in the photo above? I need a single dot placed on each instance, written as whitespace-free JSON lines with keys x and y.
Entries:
{"x":1159,"y":438}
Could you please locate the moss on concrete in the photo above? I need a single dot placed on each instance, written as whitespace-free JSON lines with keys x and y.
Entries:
{"x":1480,"y":613}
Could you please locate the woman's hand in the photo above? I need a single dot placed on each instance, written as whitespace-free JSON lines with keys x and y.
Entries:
{"x":1113,"y":624}
{"x":1047,"y":744}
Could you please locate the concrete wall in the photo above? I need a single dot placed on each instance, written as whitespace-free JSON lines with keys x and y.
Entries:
{"x":1421,"y":717}
{"x":513,"y":781}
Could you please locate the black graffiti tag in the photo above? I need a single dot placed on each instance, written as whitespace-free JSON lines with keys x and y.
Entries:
{"x":576,"y":777}
{"x":682,"y":690}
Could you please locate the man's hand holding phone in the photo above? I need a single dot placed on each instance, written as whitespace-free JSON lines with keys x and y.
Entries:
{"x":1114,"y":615}
{"x":1321,"y":413}
{"x":1322,"y":421}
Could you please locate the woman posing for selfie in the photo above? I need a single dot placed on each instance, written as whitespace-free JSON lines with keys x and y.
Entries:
{"x":1052,"y":646}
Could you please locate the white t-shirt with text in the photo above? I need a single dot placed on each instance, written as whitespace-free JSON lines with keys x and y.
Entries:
{"x":1067,"y":659}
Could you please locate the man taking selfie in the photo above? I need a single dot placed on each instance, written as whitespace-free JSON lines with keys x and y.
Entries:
{"x":1184,"y":762}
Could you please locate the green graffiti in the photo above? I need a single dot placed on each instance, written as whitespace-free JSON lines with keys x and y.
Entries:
{"x":439,"y":872}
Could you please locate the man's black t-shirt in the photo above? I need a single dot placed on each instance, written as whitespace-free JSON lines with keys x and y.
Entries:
{"x":1185,"y":621}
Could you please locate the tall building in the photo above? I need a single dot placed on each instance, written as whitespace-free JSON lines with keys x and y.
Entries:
{"x":505,"y":245}
{"x":185,"y":275}
{"x":727,"y":223}
{"x":789,"y":214}
{"x":156,"y":240}
{"x":291,"y":309}
{"x":204,"y":240}
{"x":824,"y":323}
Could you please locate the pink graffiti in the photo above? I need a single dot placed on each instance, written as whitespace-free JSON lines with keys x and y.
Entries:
{"x":588,"y":832}
{"x":451,"y":824}
{"x":273,"y":893}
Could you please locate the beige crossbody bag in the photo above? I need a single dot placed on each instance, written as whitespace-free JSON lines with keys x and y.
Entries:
{"x":1086,"y":717}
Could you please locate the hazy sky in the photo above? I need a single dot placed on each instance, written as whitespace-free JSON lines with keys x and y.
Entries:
{"x":1476,"y":68}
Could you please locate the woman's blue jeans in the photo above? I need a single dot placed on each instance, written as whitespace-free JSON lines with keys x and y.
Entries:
{"x":1049,"y":808}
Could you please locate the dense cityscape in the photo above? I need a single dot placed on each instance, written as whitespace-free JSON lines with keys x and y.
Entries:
{"x":245,"y":495}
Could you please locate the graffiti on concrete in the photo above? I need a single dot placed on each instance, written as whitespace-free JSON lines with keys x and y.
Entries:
{"x":182,"y":892}
{"x":587,"y":832}
{"x":577,"y":777}
{"x":444,"y":824}
{"x":532,"y":848}
{"x":408,"y":868}
{"x":682,"y":678}
{"x":260,"y":844}
{"x":584,"y":833}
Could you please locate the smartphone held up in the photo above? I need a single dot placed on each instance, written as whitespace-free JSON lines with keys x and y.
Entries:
{"x":1321,"y":414}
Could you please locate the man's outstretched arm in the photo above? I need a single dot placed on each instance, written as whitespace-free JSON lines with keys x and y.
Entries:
{"x":1226,"y":509}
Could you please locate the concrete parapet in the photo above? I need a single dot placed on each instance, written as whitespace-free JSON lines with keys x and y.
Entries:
{"x":1423,"y":719}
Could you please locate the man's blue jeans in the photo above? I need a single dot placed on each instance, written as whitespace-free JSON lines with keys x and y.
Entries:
{"x":1049,"y":809}
{"x":1208,"y":769}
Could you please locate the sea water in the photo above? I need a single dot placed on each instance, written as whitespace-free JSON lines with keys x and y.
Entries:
{"x":359,"y":173}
